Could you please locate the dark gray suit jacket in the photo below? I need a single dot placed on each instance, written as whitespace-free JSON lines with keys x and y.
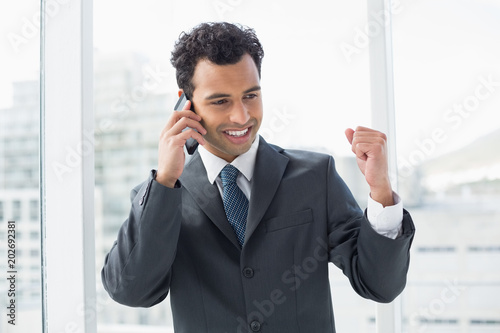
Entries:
{"x":301,"y":217}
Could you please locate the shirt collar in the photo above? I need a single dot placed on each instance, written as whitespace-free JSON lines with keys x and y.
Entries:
{"x":245,"y":162}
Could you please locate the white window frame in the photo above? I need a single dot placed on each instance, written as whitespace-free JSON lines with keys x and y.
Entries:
{"x":67,"y":167}
{"x":69,"y":304}
{"x":388,"y":317}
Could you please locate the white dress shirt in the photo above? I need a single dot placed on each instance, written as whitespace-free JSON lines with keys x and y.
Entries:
{"x":386,"y":221}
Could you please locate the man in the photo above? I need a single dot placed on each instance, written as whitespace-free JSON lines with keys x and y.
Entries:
{"x":251,"y":253}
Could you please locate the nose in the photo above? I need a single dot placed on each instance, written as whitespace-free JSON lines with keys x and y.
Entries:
{"x":239,"y":113}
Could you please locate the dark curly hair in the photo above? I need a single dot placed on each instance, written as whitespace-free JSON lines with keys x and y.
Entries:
{"x":219,"y":42}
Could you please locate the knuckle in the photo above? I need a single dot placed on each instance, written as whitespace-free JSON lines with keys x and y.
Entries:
{"x":182,"y":121}
{"x":163,"y":135}
{"x":193,"y":132}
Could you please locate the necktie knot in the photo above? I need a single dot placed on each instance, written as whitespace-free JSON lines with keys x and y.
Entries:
{"x":229,"y":174}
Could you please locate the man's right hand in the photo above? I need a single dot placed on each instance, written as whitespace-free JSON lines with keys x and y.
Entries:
{"x":171,"y":155}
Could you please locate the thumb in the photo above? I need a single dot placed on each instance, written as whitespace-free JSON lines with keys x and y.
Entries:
{"x":349,"y":133}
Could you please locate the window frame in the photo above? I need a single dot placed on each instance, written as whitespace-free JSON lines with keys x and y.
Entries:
{"x":388,"y":317}
{"x":66,"y":107}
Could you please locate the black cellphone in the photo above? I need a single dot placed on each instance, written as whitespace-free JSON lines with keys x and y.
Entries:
{"x":191,"y":144}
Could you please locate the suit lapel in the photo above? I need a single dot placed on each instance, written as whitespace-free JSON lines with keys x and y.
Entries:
{"x":207,"y":196}
{"x":269,"y":168}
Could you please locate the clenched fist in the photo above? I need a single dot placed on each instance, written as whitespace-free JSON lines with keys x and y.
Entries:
{"x":370,"y":147}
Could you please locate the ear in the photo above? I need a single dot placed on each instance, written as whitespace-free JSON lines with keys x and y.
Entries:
{"x":180,"y":92}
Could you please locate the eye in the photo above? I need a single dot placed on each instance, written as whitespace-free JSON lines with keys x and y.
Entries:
{"x":219,"y":102}
{"x":251,"y":96}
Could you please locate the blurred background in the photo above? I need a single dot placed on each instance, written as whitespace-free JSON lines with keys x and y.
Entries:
{"x":316,"y":83}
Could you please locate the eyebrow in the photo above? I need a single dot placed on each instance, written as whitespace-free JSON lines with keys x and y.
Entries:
{"x":221,"y":95}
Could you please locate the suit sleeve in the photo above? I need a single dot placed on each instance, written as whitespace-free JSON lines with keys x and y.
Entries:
{"x":137,"y":269}
{"x":375,"y":265}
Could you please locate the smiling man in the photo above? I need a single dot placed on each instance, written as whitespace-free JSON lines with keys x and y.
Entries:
{"x":241,"y":235}
{"x":228,"y":101}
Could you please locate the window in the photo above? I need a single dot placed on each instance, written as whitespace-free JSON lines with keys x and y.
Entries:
{"x":16,"y":210}
{"x":34,"y":210}
{"x":19,"y":164}
{"x":447,"y":181}
{"x":67,"y":167}
{"x":447,"y":98}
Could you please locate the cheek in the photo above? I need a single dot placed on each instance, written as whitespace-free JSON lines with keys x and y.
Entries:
{"x":258,"y":114}
{"x":210,"y":124}
{"x":258,"y":110}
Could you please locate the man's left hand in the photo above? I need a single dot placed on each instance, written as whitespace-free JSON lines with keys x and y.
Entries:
{"x":370,"y":147}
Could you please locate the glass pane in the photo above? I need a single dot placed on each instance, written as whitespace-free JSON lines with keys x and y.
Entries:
{"x":315,"y":83}
{"x":447,"y":79}
{"x":20,"y":239}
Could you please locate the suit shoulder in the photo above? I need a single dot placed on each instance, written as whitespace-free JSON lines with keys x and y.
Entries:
{"x":304,"y":156}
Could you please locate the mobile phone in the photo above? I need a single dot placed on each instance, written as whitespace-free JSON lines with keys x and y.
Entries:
{"x":191,"y":144}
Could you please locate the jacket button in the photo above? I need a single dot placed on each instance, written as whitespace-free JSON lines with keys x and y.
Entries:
{"x":247,"y":272}
{"x":255,"y":326}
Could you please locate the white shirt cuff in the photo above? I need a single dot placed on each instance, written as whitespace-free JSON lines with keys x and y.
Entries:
{"x":386,"y":221}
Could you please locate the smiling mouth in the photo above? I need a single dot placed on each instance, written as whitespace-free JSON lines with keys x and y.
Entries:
{"x":237,"y":134}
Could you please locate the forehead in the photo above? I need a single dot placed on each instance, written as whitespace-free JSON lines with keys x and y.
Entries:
{"x":210,"y":77}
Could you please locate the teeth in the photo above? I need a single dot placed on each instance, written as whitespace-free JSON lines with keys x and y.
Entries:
{"x":237,"y":133}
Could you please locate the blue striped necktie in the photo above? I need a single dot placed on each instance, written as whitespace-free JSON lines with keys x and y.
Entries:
{"x":235,"y":202}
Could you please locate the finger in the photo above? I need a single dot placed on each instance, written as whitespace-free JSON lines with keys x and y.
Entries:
{"x":178,"y":115}
{"x":368,"y":132}
{"x":184,"y":123}
{"x":187,"y":105}
{"x":179,"y":140}
{"x":370,"y":150}
{"x":364,"y":129}
{"x":191,"y":133}
{"x":372,"y":140}
{"x":349,"y":133}
{"x":359,"y":149}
